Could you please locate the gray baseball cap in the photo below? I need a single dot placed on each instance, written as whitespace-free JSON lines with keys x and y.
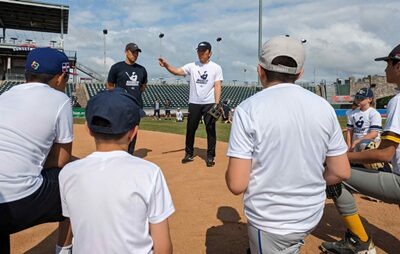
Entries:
{"x":282,"y":46}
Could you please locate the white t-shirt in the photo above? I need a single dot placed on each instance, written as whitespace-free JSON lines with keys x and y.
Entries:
{"x":202,"y":79}
{"x":393,"y":124}
{"x":287,"y":132}
{"x":362,"y":122}
{"x":33,"y":116}
{"x":111,"y":197}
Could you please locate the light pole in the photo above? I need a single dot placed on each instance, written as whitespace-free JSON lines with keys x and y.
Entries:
{"x":219,"y":39}
{"x":161,"y":35}
{"x":244,"y":73}
{"x":105,"y":32}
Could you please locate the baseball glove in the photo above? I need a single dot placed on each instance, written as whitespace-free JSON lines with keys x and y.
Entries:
{"x":215,"y":112}
{"x":368,"y":144}
{"x":333,"y":191}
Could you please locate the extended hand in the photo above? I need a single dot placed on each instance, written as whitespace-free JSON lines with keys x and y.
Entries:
{"x":162,"y":62}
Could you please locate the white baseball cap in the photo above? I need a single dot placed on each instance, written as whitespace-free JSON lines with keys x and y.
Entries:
{"x":282,"y":46}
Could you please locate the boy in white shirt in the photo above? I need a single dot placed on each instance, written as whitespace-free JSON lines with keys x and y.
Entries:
{"x":179,"y":115}
{"x":117,"y":203}
{"x":279,"y":141}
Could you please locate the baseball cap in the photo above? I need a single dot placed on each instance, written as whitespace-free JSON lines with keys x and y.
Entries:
{"x":204,"y":45}
{"x":133,"y":47}
{"x":116,"y":106}
{"x":282,"y":46}
{"x":393,"y":55}
{"x":364,"y":93}
{"x":47,"y":61}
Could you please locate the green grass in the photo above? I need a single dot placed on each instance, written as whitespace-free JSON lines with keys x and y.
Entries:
{"x":170,"y":126}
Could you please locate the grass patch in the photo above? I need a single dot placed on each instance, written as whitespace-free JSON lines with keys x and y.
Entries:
{"x":170,"y":126}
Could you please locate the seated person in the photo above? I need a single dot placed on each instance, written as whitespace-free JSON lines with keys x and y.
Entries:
{"x":117,"y":203}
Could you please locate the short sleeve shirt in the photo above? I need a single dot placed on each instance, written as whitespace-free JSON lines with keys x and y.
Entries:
{"x":287,"y":132}
{"x":202,"y":80}
{"x":33,"y":116}
{"x":362,"y":122}
{"x":393,"y":125}
{"x":129,"y":77}
{"x":110,"y":198}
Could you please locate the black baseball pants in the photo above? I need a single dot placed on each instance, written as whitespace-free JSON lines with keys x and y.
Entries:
{"x":196,"y":111}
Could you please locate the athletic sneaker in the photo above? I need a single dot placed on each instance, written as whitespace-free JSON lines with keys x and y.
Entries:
{"x":350,"y":244}
{"x":187,"y":158}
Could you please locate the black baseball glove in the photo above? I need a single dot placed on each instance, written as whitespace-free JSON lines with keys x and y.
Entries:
{"x":334,"y":191}
{"x":215,"y":112}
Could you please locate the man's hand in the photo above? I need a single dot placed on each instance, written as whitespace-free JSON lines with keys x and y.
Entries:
{"x":162,"y":62}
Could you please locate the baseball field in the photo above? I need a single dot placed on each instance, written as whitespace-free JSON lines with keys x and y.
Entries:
{"x":208,"y":218}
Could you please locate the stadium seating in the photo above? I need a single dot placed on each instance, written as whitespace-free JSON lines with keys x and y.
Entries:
{"x":179,"y":94}
{"x":7,"y":85}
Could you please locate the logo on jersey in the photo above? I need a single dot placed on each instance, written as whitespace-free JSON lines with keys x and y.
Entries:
{"x":203,"y":77}
{"x":132,"y":77}
{"x":360,"y":122}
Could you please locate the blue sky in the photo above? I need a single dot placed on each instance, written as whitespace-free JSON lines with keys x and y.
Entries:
{"x":343,"y":37}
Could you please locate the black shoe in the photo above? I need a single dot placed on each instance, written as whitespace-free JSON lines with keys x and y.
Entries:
{"x":210,"y":161}
{"x":187,"y":158}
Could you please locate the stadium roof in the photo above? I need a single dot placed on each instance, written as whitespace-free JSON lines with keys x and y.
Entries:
{"x":34,"y":16}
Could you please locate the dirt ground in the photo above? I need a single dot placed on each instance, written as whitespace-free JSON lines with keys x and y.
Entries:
{"x":208,"y":218}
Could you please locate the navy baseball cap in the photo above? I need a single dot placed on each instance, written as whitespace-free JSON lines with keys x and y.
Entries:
{"x":116,"y":106}
{"x":393,"y":55}
{"x":364,"y":93}
{"x":204,"y":45}
{"x":47,"y":61}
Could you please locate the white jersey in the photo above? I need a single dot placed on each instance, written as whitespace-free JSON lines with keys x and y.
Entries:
{"x":110,"y":198}
{"x":287,"y":132}
{"x":363,"y":122}
{"x":393,"y":124}
{"x":202,"y":79}
{"x":33,"y":116}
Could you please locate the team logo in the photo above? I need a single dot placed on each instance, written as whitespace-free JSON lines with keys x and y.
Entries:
{"x":204,"y":76}
{"x":65,"y":67}
{"x":132,"y":77}
{"x":360,"y":122}
{"x":35,"y":65}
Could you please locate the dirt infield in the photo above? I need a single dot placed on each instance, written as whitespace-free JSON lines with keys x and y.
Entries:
{"x":208,"y":218}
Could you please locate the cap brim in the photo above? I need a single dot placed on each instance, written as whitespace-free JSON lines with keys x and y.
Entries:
{"x":385,"y":58}
{"x":202,"y":48}
{"x":138,"y":50}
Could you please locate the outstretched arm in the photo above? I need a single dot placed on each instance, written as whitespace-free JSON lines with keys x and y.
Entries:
{"x":170,"y":68}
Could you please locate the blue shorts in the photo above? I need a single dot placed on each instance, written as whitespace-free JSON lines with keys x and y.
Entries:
{"x":44,"y":205}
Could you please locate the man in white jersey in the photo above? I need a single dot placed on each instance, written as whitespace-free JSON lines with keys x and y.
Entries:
{"x":205,"y":93}
{"x":117,"y":203}
{"x":279,"y":141}
{"x":365,"y":122}
{"x":35,"y":143}
{"x":376,"y":184}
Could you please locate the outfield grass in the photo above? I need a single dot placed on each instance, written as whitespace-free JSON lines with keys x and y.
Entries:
{"x":170,"y":126}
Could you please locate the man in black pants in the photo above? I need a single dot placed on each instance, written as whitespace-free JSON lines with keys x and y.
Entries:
{"x":205,"y":92}
{"x":130,"y":76}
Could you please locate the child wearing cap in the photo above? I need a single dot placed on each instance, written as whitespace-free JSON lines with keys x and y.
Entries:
{"x":277,"y":151}
{"x":117,"y":203}
{"x":36,"y":133}
{"x":364,"y":122}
